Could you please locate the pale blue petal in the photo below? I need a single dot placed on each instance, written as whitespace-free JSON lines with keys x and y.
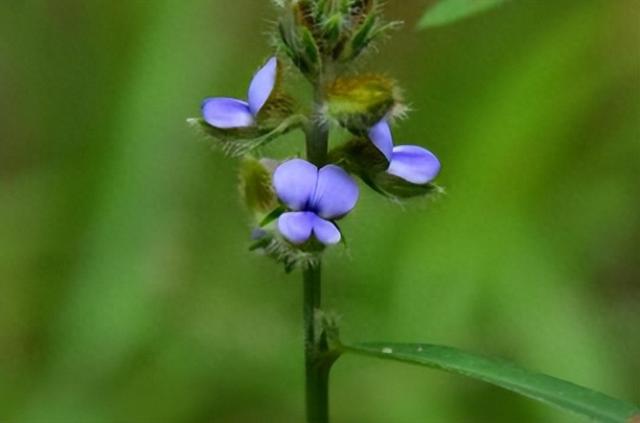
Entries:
{"x":325,"y":231}
{"x":296,"y":227}
{"x":226,"y":113}
{"x":414,"y":164}
{"x":262,"y":85}
{"x":336,"y":193}
{"x":380,"y":135}
{"x":295,"y":182}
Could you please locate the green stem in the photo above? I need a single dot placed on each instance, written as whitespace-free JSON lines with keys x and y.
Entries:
{"x":317,"y":135}
{"x":317,"y":366}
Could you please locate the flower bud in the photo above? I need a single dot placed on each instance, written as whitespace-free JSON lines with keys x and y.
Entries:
{"x":255,"y":186}
{"x":361,"y":39}
{"x":364,"y":24}
{"x":304,"y":15}
{"x":297,"y":37}
{"x":358,"y":102}
{"x":331,"y":28}
{"x":358,"y":9}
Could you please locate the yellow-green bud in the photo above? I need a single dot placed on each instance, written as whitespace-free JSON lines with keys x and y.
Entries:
{"x":359,"y":102}
{"x":256,"y":187}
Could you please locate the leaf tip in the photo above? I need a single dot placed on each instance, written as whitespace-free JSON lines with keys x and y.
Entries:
{"x":450,"y":11}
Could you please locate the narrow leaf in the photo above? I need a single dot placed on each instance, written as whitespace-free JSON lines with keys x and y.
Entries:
{"x":547,"y":389}
{"x":448,"y":11}
{"x":272,"y":217}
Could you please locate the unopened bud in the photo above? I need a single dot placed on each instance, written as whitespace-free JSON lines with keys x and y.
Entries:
{"x":303,"y":13}
{"x":297,"y":38}
{"x":256,"y":187}
{"x":358,"y":102}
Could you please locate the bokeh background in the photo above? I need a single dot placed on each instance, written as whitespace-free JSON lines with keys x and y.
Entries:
{"x":126,"y":291}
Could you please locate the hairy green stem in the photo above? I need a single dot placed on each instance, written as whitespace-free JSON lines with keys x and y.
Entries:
{"x":317,"y":371}
{"x":317,"y":367}
{"x":317,"y":144}
{"x":317,"y":134}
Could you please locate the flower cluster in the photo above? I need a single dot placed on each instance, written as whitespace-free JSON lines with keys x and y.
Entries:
{"x":296,"y":203}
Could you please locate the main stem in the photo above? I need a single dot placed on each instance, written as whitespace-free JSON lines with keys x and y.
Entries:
{"x":317,"y":372}
{"x":316,"y":367}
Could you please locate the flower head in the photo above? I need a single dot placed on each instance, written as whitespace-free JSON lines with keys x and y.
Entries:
{"x":227,"y":113}
{"x":315,"y":198}
{"x":412,"y":163}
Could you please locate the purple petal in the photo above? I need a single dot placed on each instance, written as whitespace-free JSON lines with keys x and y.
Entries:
{"x":380,"y":135}
{"x":226,"y":113}
{"x":414,"y":164}
{"x":325,"y":231}
{"x":262,"y":85}
{"x":295,"y":182}
{"x":296,"y":227}
{"x":336,"y":193}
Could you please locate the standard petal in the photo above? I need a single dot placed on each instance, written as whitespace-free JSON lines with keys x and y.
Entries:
{"x":336,"y":193}
{"x":295,"y":182}
{"x":226,"y":113}
{"x":414,"y":164}
{"x":380,"y":135}
{"x":296,"y":227}
{"x":262,"y":85}
{"x":325,"y":231}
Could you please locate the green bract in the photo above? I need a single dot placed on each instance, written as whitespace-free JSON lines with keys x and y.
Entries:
{"x":237,"y":142}
{"x":397,"y":188}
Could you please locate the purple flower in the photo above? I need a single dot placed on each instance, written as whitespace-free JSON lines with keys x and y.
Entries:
{"x":412,"y":163}
{"x":226,"y":113}
{"x":316,"y":197}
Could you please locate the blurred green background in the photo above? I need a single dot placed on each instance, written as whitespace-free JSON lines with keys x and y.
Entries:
{"x":127,"y":293}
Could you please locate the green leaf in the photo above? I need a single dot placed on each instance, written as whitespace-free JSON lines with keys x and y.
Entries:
{"x":449,"y":11}
{"x":547,"y":389}
{"x":272,"y":217}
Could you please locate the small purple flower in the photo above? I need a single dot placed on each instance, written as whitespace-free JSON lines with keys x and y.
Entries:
{"x":412,"y":163}
{"x":316,"y":197}
{"x":227,"y":113}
